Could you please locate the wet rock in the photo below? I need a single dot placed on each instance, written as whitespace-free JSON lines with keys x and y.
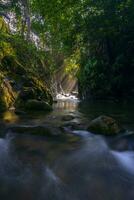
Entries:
{"x":26,"y":94}
{"x":37,"y":105}
{"x":44,"y":130}
{"x":123,"y":142}
{"x":20,"y":112}
{"x":104,"y":125}
{"x":120,"y":145}
{"x":67,"y":117}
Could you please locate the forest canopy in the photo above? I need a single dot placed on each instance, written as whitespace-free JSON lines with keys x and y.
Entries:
{"x":92,"y":39}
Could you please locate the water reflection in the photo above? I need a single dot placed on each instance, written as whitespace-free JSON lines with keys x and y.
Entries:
{"x":69,"y":105}
{"x":10,"y":117}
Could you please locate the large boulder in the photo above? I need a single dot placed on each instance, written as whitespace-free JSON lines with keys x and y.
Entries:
{"x":104,"y":125}
{"x":123,"y":142}
{"x":44,"y":130}
{"x":47,"y":130}
{"x":36,"y":105}
{"x":67,"y":117}
{"x":33,"y":95}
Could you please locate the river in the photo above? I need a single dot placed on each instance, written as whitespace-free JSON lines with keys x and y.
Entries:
{"x":34,"y":167}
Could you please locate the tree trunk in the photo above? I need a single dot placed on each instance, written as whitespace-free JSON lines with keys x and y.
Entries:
{"x":27,"y":19}
{"x":109,"y":51}
{"x":23,"y":25}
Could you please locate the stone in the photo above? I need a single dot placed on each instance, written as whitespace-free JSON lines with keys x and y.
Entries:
{"x":123,"y":142}
{"x":67,"y":117}
{"x":36,"y":105}
{"x":44,"y":130}
{"x":104,"y":125}
{"x":48,"y":131}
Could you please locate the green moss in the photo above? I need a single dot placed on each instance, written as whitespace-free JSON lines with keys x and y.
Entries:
{"x":105,"y":125}
{"x":21,"y":72}
{"x":7,"y":95}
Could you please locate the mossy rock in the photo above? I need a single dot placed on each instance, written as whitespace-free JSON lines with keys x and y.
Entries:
{"x":20,"y":77}
{"x":39,"y":130}
{"x":51,"y":132}
{"x":37,"y":105}
{"x":104,"y":125}
{"x":41,"y":90}
{"x":67,"y":117}
{"x":7,"y":95}
{"x":123,"y":142}
{"x":34,"y":90}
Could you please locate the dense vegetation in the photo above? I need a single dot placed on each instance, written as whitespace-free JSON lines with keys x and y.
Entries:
{"x":92,"y":39}
{"x":23,"y":74}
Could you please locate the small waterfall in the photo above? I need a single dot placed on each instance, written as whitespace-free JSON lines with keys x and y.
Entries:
{"x":64,"y":85}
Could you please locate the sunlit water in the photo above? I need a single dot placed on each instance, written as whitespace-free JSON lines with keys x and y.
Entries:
{"x":67,"y":97}
{"x":39,"y":168}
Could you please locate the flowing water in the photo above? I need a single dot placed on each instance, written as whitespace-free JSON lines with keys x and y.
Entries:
{"x":41,"y":168}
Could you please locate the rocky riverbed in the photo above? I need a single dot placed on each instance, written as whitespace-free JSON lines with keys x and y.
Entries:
{"x":55,"y":156}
